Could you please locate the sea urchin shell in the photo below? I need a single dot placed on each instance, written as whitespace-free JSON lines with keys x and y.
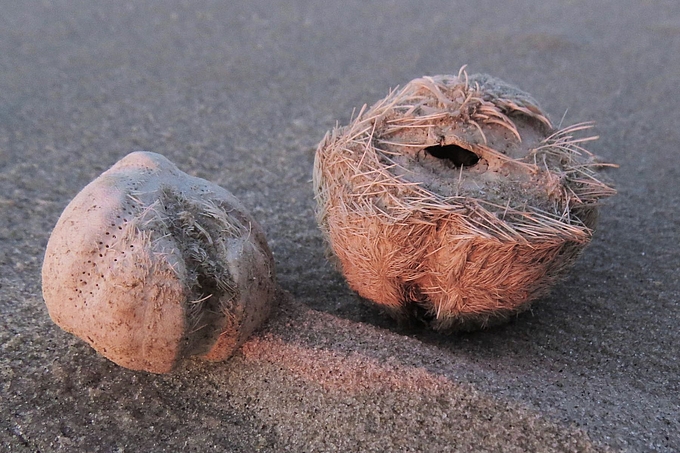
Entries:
{"x":455,"y":199}
{"x":150,"y":265}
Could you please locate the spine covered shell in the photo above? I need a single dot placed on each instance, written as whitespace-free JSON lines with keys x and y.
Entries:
{"x":455,"y":199}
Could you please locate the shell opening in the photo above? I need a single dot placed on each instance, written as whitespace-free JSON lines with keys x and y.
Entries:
{"x":457,"y":155}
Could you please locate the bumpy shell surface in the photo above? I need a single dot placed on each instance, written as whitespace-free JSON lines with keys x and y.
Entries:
{"x":150,"y":265}
{"x":455,"y":200}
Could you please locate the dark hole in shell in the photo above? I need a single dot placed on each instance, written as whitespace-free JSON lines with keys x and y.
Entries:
{"x":457,"y":155}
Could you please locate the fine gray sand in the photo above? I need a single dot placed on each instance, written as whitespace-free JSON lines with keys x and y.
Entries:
{"x":241,"y":95}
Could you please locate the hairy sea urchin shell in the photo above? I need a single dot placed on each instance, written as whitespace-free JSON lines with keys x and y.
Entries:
{"x":455,"y":199}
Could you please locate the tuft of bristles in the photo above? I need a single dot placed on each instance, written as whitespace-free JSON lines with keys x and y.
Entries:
{"x":460,"y":246}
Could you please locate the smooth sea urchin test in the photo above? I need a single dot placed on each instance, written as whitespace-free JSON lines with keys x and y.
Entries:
{"x":455,"y":200}
{"x":150,"y":265}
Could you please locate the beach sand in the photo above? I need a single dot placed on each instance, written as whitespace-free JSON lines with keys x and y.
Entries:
{"x":241,"y":95}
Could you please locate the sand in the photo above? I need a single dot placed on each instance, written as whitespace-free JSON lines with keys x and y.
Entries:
{"x":241,"y":95}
